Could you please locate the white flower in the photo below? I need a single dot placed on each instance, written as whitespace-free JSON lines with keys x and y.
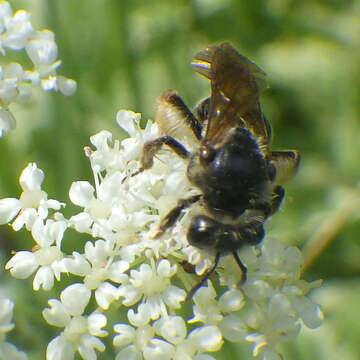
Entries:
{"x":211,"y":311}
{"x":107,"y":155}
{"x":6,"y":314}
{"x":188,"y":346}
{"x":125,"y":265}
{"x":96,"y":265}
{"x":130,"y":122}
{"x":5,"y":12}
{"x":97,"y":208}
{"x":153,"y":284}
{"x":45,"y":258}
{"x":206,"y":338}
{"x":17,"y":28}
{"x":139,"y":341}
{"x":97,"y":205}
{"x":7,"y":350}
{"x":278,"y":298}
{"x":32,"y":204}
{"x":17,"y":84}
{"x":172,"y":328}
{"x":110,"y":207}
{"x":173,"y":341}
{"x":80,"y":332}
{"x":42,"y":49}
{"x":65,"y":85}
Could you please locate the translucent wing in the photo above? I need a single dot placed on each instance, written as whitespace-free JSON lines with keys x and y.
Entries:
{"x":236,"y":84}
{"x":286,"y":163}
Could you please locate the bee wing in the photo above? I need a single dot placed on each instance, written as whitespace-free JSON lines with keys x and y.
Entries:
{"x":236,"y":84}
{"x":286,"y":163}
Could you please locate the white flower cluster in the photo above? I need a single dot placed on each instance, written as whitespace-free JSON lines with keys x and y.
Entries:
{"x":16,"y":83}
{"x":7,"y":350}
{"x":124,"y":265}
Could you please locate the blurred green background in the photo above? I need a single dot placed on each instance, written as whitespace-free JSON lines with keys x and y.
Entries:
{"x":124,"y":54}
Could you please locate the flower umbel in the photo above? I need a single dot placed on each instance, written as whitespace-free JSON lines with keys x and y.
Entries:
{"x":125,"y":265}
{"x":16,"y":83}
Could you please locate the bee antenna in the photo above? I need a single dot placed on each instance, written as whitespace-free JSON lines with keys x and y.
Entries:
{"x":241,"y":266}
{"x":204,"y":278}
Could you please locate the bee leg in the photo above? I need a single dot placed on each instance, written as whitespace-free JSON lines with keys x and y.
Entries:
{"x":170,"y":219}
{"x":278,"y":197}
{"x":204,"y":278}
{"x":251,"y":233}
{"x":188,"y":267}
{"x":152,"y":147}
{"x":202,"y":110}
{"x":172,"y":112}
{"x":241,"y":266}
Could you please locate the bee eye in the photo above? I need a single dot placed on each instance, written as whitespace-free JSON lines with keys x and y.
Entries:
{"x":207,"y":154}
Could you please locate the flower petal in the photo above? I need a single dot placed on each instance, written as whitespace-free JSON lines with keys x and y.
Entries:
{"x":75,"y":298}
{"x":81,"y":193}
{"x":96,"y":322}
{"x":44,"y":278}
{"x":31,"y":177}
{"x":7,"y":121}
{"x":59,"y":349}
{"x":56,"y":314}
{"x":22,"y":264}
{"x":9,"y":208}
{"x":207,"y":338}
{"x":128,"y":120}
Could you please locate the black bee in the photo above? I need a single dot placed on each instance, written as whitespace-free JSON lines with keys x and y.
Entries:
{"x":234,"y":167}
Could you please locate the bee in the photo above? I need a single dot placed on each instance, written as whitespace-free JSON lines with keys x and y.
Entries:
{"x":240,"y":178}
